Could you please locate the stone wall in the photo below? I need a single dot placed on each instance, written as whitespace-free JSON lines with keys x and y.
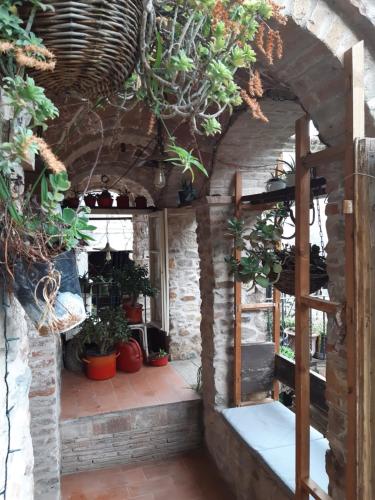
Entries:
{"x":20,"y":461}
{"x":45,"y":361}
{"x":184,"y":293}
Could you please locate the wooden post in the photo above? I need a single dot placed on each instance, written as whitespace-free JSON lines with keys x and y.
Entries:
{"x":354,"y":74}
{"x":237,"y":305}
{"x":276,"y":334}
{"x":302,"y":348}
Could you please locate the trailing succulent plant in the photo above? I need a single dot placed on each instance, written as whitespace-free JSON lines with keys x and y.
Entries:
{"x":32,"y":225}
{"x":190,"y":53}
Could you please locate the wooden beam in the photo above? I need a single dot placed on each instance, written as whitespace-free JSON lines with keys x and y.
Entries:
{"x":237,"y":304}
{"x":315,"y":490}
{"x":276,"y":335}
{"x":354,"y":75}
{"x":326,"y":306}
{"x":324,"y":157}
{"x":364,"y":238}
{"x":257,"y":208}
{"x":302,"y":349}
{"x":257,"y":306}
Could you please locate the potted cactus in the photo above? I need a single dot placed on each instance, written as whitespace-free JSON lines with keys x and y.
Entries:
{"x":159,"y":358}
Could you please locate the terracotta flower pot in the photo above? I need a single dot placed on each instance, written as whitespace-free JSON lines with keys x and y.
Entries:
{"x":159,"y":361}
{"x":140,"y":202}
{"x":72,"y":202}
{"x":105,"y":200}
{"x":131,"y":358}
{"x":133,"y":313}
{"x":100,"y":367}
{"x":90,"y":200}
{"x":122,"y":201}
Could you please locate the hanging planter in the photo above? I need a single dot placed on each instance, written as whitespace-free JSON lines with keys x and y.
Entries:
{"x":50,"y":293}
{"x":95,"y":44}
{"x":318,"y":271}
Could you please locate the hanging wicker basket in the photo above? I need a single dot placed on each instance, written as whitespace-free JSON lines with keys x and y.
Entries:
{"x":318,"y":271}
{"x":95,"y":43}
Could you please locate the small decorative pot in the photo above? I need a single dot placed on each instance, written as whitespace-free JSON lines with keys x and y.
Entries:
{"x":140,"y":202}
{"x":275,"y":184}
{"x":72,"y":202}
{"x":90,"y":200}
{"x":123,"y":201}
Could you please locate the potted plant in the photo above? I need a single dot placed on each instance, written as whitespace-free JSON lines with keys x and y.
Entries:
{"x":140,"y":202}
{"x":188,"y":193}
{"x":105,"y":199}
{"x":275,"y":183}
{"x":90,"y":200}
{"x":159,"y":358}
{"x":290,"y":172}
{"x":98,"y":340}
{"x":72,"y":201}
{"x":133,"y":281}
{"x":123,"y":200}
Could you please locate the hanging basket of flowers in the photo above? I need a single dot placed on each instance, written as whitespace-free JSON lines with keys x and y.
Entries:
{"x":95,"y":44}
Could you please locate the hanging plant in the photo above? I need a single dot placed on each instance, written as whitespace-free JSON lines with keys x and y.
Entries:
{"x":261,"y":263}
{"x":190,"y":53}
{"x":37,"y":235}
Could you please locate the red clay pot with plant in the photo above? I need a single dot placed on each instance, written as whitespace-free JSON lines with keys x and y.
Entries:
{"x":123,"y":201}
{"x":72,"y":202}
{"x":140,"y":202}
{"x":90,"y":200}
{"x":105,"y":199}
{"x":100,"y":367}
{"x":159,"y":359}
{"x":133,"y":313}
{"x":130,"y":356}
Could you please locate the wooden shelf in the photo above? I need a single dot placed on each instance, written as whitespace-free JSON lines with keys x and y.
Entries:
{"x":266,"y":200}
{"x":122,"y":211}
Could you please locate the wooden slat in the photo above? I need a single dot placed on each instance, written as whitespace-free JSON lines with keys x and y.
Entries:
{"x":257,"y":208}
{"x":326,"y":306}
{"x":324,"y":157}
{"x":354,"y":74}
{"x":302,"y":349}
{"x":315,"y":490}
{"x":364,"y":237}
{"x":276,"y":335}
{"x":257,"y":306}
{"x":237,"y":305}
{"x":285,"y":372}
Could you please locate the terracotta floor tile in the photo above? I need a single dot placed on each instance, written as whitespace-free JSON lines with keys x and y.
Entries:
{"x":190,"y":476}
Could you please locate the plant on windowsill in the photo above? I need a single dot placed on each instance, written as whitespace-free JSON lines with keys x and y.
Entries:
{"x":159,"y":358}
{"x":133,"y":281}
{"x":98,"y":342}
{"x":275,"y":183}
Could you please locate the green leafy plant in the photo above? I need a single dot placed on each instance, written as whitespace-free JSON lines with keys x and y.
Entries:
{"x":261,"y":264}
{"x":102,"y":332}
{"x":160,"y":354}
{"x":287,"y":352}
{"x":133,"y":281}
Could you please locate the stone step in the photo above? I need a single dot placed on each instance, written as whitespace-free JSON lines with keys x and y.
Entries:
{"x":130,"y":436}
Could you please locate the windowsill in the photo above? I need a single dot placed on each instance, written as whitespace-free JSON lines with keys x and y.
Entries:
{"x":269,"y":431}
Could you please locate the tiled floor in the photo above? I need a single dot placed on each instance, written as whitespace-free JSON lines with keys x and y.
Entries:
{"x":189,"y":477}
{"x":150,"y":386}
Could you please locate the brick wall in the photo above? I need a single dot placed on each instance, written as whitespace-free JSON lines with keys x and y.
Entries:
{"x":130,"y":436}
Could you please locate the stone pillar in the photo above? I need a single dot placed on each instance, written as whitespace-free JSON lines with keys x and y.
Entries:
{"x":20,"y":460}
{"x":45,"y":364}
{"x":184,"y":293}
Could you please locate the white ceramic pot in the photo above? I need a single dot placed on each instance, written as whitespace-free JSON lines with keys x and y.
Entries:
{"x":290,"y":180}
{"x":275,"y":185}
